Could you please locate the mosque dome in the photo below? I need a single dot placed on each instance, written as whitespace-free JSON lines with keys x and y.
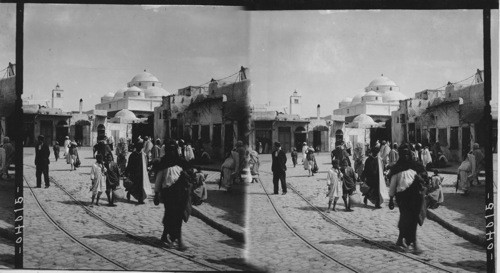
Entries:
{"x":363,"y":119}
{"x":125,"y":114}
{"x":156,"y":92}
{"x":357,"y":99}
{"x":382,"y":81}
{"x":393,"y":96}
{"x":372,"y":96}
{"x":134,"y":92}
{"x":144,"y":77}
{"x":108,"y":97}
{"x":120,"y":93}
{"x":345,"y":102}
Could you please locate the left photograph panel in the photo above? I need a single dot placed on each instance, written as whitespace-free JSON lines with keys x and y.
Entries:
{"x":7,"y":134}
{"x":128,"y":115}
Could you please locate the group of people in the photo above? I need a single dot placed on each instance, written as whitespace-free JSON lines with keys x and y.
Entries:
{"x":387,"y":172}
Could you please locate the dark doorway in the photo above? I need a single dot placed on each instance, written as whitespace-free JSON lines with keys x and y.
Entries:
{"x":378,"y":134}
{"x":62,"y":129}
{"x":465,"y":140}
{"x":82,"y":132}
{"x":228,"y":137}
{"x":46,"y":129}
{"x":142,"y":130}
{"x":300,"y":138}
{"x":285,"y":138}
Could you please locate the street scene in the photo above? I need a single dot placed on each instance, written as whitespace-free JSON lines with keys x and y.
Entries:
{"x":212,"y":138}
{"x":370,"y":134}
{"x":363,"y":240}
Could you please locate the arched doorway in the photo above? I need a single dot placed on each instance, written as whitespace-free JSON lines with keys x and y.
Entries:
{"x":339,"y":137}
{"x":300,"y":136}
{"x":320,"y":138}
{"x":82,"y":132}
{"x":62,"y":131}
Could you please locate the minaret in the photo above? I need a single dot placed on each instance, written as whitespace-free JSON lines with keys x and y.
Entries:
{"x":57,"y":97}
{"x":295,"y":104}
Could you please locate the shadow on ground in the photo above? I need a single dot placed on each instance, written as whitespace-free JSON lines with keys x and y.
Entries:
{"x":232,"y":203}
{"x":236,"y":263}
{"x":472,"y":266}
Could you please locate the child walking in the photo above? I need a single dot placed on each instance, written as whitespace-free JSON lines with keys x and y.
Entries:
{"x":334,"y":183}
{"x":98,"y":178}
{"x":294,"y":156}
{"x":57,"y":149}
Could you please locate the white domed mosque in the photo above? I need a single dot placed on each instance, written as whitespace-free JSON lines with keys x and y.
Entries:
{"x":142,"y":94}
{"x":380,"y":98}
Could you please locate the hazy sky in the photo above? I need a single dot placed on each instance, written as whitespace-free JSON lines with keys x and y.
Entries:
{"x":7,"y":35}
{"x":329,"y":55}
{"x":91,"y":50}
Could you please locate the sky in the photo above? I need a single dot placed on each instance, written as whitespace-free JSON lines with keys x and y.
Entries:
{"x":329,"y":55}
{"x":90,"y":50}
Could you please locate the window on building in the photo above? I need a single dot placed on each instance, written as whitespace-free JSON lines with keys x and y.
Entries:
{"x":138,"y":93}
{"x":139,"y":84}
{"x":411,"y":132}
{"x":153,"y":84}
{"x":419,"y":136}
{"x":390,"y":88}
{"x":443,"y":136}
{"x":109,"y":106}
{"x":296,"y":100}
{"x":347,"y":111}
{"x":432,"y":135}
{"x":159,"y":115}
{"x":58,"y":95}
{"x":453,"y":138}
{"x":217,"y":135}
{"x":205,"y":133}
{"x":195,"y":129}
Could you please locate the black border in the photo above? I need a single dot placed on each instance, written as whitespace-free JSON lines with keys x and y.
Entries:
{"x":485,"y":5}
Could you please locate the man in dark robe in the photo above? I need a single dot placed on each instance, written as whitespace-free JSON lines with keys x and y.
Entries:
{"x":42,"y":161}
{"x":175,"y":192}
{"x":135,"y":173}
{"x":371,"y":177}
{"x":279,"y":168}
{"x":410,"y":199}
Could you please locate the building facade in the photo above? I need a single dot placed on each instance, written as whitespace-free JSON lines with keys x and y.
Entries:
{"x":380,"y":98}
{"x":453,"y":117}
{"x":143,"y":93}
{"x":212,"y":118}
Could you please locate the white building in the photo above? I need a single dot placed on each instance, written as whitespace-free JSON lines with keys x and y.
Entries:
{"x":143,"y":93}
{"x":379,"y":99}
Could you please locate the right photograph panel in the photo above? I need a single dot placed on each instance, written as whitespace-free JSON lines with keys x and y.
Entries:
{"x":367,"y":130}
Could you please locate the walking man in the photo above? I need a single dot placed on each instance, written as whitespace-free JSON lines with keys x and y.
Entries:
{"x":279,"y":168}
{"x":42,"y":161}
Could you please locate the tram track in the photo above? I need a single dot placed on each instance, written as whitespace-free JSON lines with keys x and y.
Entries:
{"x":69,"y":234}
{"x":128,"y":233}
{"x":329,"y":220}
{"x":302,"y":238}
